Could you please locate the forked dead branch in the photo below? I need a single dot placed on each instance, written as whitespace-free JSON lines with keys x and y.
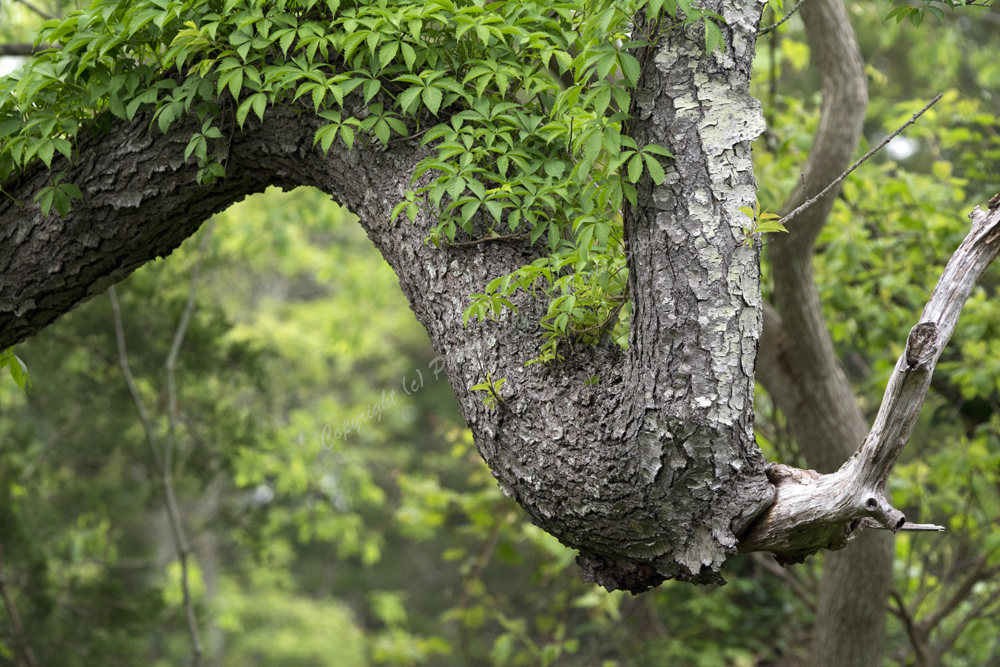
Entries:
{"x":813,"y":511}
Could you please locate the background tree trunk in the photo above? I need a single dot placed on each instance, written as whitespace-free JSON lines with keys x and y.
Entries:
{"x":798,"y":365}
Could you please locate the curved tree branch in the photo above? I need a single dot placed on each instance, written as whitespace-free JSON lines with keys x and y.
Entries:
{"x":652,"y":472}
{"x":833,"y":507}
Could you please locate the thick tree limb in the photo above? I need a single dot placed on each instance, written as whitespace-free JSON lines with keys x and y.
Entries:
{"x":652,"y":472}
{"x":814,"y":511}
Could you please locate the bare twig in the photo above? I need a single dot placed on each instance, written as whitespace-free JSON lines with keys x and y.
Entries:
{"x":915,"y":527}
{"x":860,"y":162}
{"x":50,"y":444}
{"x":487,"y":239}
{"x":769,"y":564}
{"x":918,"y":638}
{"x":410,"y":136}
{"x":164,"y":460}
{"x":27,"y":655}
{"x":38,"y":10}
{"x":783,"y":19}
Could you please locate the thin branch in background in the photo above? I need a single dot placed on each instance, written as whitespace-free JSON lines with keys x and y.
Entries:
{"x":772,"y":89}
{"x":23,"y":49}
{"x":916,"y":635}
{"x":50,"y":444}
{"x":979,"y":573}
{"x":767,"y":562}
{"x":27,"y":655}
{"x":164,"y":460}
{"x":484,"y":558}
{"x":147,"y":423}
{"x":171,"y":365}
{"x":783,"y":19}
{"x":857,"y":164}
{"x":994,"y":653}
{"x":38,"y":10}
{"x":976,"y":612}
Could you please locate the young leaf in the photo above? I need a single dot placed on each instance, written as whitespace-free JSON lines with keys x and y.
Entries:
{"x":713,"y":37}
{"x":770,"y":226}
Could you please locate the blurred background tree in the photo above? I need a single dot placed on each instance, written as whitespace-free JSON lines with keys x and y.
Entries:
{"x":391,"y":544}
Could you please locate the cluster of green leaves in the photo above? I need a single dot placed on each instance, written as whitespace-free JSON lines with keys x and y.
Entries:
{"x":586,"y":292}
{"x":916,"y":13}
{"x":533,"y":98}
{"x":492,"y":388}
{"x":762,"y":222}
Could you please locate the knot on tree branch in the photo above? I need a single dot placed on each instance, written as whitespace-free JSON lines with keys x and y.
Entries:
{"x":813,"y":512}
{"x":920,"y":344}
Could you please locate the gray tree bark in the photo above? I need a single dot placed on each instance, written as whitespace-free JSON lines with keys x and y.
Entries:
{"x":653,"y":472}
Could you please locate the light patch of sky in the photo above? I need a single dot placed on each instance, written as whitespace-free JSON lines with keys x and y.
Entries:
{"x":10,"y":63}
{"x":901,"y":148}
